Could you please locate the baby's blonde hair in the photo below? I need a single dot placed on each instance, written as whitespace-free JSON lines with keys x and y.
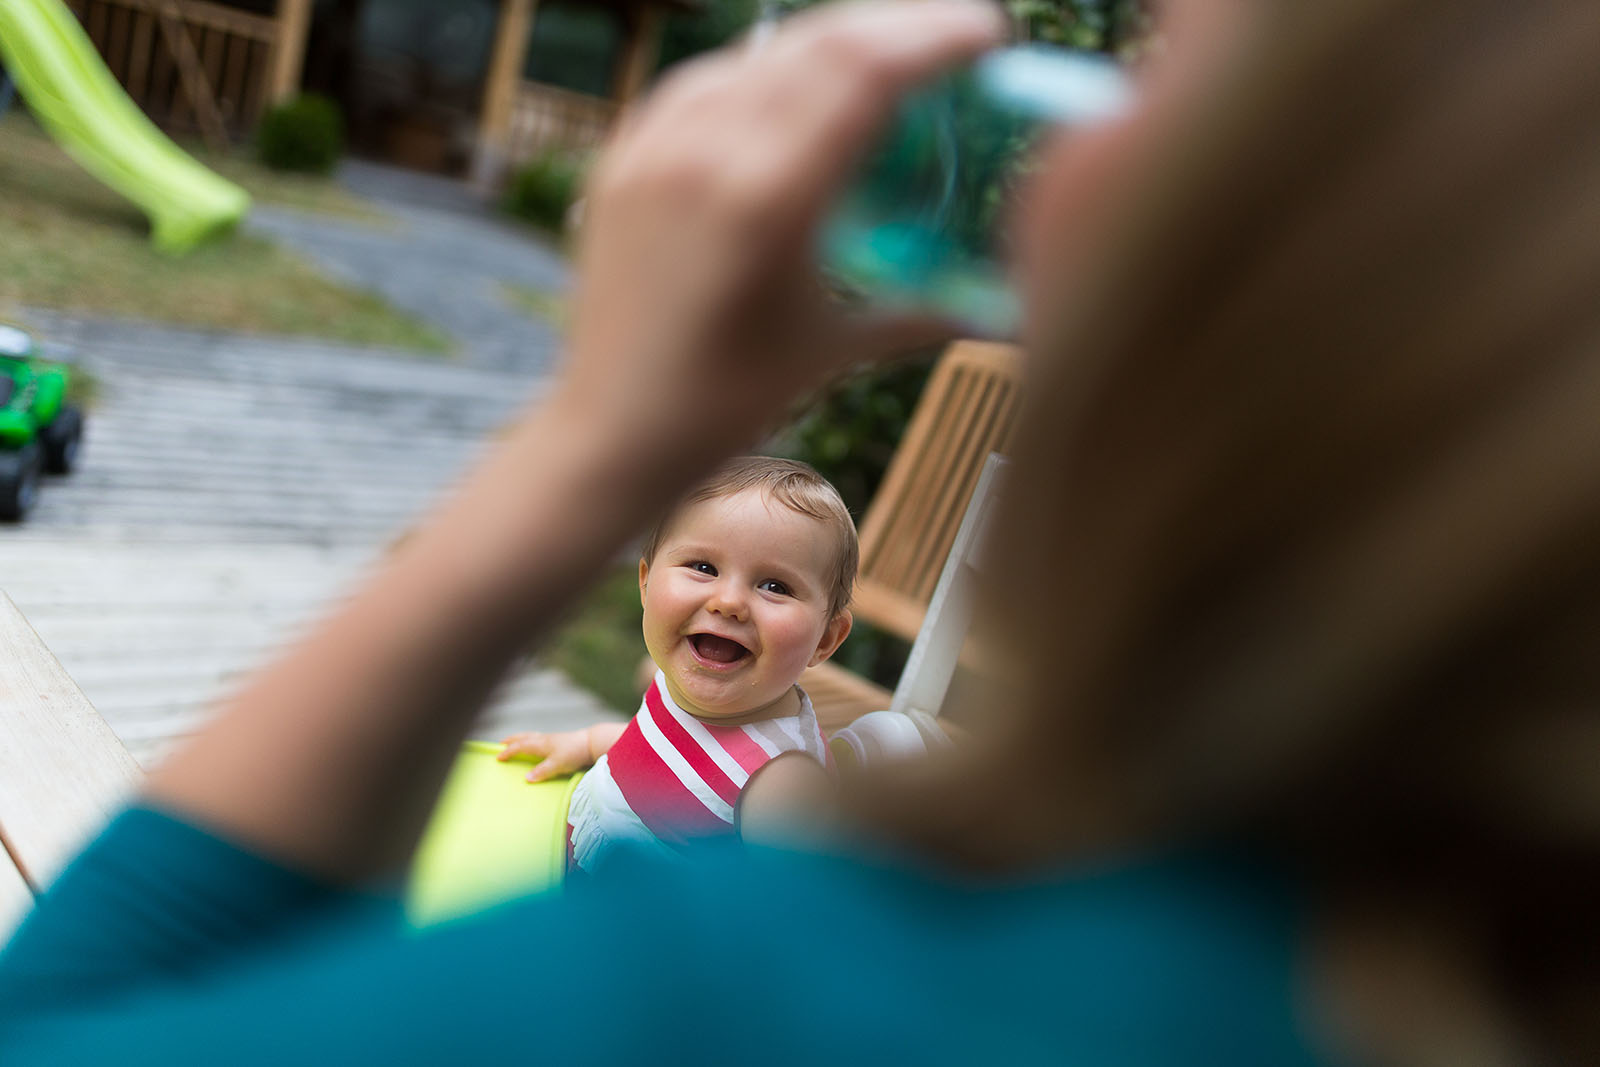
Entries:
{"x":796,"y":486}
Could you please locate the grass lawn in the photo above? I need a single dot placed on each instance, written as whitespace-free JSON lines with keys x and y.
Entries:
{"x":302,"y":192}
{"x":540,"y":303}
{"x":601,"y":644}
{"x":73,"y":244}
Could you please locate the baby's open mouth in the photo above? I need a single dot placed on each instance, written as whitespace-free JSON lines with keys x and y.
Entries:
{"x":718,"y":649}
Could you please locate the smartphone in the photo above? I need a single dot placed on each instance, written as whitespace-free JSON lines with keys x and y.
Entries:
{"x":921,"y":227}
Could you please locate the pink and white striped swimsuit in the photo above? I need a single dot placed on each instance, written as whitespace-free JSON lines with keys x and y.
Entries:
{"x":672,"y":779}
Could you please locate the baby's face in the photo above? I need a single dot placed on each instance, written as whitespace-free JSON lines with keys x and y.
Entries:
{"x":736,"y":605}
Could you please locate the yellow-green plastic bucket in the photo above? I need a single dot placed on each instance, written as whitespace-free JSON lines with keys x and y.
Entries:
{"x":493,"y":836}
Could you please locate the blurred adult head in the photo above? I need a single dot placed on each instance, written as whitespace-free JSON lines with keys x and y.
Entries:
{"x":1302,"y":546}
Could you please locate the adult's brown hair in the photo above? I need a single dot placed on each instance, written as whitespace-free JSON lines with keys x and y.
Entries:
{"x":1302,"y":547}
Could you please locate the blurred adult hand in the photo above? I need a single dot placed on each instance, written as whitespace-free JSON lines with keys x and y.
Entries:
{"x":699,"y":310}
{"x":698,"y":318}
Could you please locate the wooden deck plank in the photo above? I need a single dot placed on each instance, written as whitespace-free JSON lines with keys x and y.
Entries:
{"x":174,"y":562}
{"x":63,"y":772}
{"x":15,"y":897}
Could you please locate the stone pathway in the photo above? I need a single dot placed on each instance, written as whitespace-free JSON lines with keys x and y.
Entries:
{"x":233,"y":487}
{"x":441,"y":256}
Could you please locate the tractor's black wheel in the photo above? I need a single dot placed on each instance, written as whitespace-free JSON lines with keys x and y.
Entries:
{"x":20,"y":474}
{"x":63,"y":440}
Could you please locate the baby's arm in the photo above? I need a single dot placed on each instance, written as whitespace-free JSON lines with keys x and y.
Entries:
{"x":789,"y":802}
{"x":562,"y":753}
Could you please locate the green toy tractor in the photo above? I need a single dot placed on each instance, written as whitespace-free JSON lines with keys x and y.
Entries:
{"x":39,"y":430}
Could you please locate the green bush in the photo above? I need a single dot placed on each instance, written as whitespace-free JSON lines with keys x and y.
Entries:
{"x":713,"y":24}
{"x":850,"y":432}
{"x":600,"y":645}
{"x":543,"y":190}
{"x":1118,"y":27}
{"x":305,"y":134}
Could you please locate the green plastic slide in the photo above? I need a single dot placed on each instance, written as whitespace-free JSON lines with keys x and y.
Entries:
{"x":80,"y":104}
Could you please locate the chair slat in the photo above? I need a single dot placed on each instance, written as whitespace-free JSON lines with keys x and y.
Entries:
{"x":889,"y":609}
{"x":929,"y":488}
{"x":931,"y":491}
{"x":840,"y":697}
{"x":957,"y":480}
{"x":965,"y":413}
{"x":885,"y":506}
{"x":990,"y":433}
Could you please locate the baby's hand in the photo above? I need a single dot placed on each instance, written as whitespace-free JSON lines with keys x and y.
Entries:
{"x":557,"y":754}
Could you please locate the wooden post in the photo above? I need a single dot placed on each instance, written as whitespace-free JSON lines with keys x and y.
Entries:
{"x":500,"y":93}
{"x":289,"y":50}
{"x":645,"y":22}
{"x":191,"y":75}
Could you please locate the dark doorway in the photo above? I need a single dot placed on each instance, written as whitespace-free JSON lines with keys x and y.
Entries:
{"x":408,"y":75}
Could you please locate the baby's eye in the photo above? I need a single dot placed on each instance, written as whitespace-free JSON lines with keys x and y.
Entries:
{"x":703,"y":567}
{"x":772,"y":585}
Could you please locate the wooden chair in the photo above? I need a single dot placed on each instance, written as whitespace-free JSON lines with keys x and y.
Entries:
{"x":911,"y":726}
{"x":941,"y":645}
{"x":966,"y":412}
{"x":63,"y":772}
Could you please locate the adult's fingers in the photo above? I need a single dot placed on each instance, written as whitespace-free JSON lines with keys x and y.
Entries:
{"x":796,"y":113}
{"x":855,"y":62}
{"x":900,"y":42}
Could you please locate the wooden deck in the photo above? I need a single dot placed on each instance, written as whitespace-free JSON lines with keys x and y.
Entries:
{"x":231,"y":490}
{"x":62,"y":770}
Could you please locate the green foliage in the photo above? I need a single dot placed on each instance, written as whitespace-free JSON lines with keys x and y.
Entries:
{"x":602,"y":642}
{"x":874,"y":654}
{"x":305,"y":134}
{"x":1120,"y":27}
{"x":542,"y":190}
{"x":850,"y":432}
{"x":688,"y":33}
{"x":545,"y":306}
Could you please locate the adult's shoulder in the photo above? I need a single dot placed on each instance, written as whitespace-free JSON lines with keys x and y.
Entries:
{"x":1187,"y":959}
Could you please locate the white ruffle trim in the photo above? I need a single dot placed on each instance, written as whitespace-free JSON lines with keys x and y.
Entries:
{"x":601,"y":820}
{"x":599,"y":815}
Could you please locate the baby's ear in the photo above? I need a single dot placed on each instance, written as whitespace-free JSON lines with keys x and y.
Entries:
{"x":644,"y":578}
{"x":838,"y":629}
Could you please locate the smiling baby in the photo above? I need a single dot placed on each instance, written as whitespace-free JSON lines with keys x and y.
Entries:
{"x":745,"y":584}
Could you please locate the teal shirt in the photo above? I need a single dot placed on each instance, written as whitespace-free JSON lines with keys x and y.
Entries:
{"x":164,"y":945}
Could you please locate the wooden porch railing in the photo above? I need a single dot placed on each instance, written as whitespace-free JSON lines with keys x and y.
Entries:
{"x":544,"y":117}
{"x":189,"y":65}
